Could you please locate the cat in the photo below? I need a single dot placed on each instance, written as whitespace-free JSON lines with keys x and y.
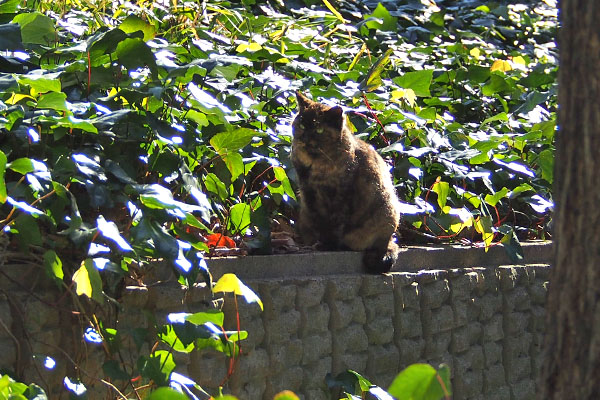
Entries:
{"x":347,"y":197}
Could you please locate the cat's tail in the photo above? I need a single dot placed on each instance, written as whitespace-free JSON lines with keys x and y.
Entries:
{"x":380,"y":261}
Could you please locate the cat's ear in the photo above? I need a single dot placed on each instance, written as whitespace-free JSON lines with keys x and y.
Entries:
{"x":335,"y":116}
{"x":303,"y":101}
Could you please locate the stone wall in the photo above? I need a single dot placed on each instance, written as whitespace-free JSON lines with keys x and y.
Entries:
{"x":472,"y":310}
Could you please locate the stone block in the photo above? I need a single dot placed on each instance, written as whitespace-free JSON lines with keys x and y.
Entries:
{"x":467,"y":384}
{"x":281,"y":356}
{"x":208,"y":368}
{"x":355,"y":362}
{"x":410,"y":296}
{"x":490,"y":304}
{"x":280,"y":329}
{"x":462,"y":285}
{"x":252,"y":390}
{"x":431,"y":275}
{"x":409,"y":324}
{"x":345,"y":312}
{"x":517,"y":369}
{"x":510,"y":276}
{"x":375,"y":285}
{"x":460,"y":310}
{"x":435,"y":294}
{"x":538,"y":319}
{"x":500,"y":393}
{"x":517,"y":323}
{"x":538,"y":292}
{"x":317,"y":394}
{"x":492,"y":352}
{"x":316,"y":347}
{"x":287,"y":379}
{"x":437,"y":345}
{"x":315,"y":373}
{"x":523,"y":390}
{"x":493,"y":377}
{"x":382,"y":360}
{"x":256,"y":333}
{"x":311,"y":293}
{"x":402,"y":279}
{"x":380,"y":331}
{"x":442,"y":319}
{"x":344,"y":287}
{"x":517,"y":300}
{"x":492,"y":329}
{"x":314,"y":320}
{"x":277,"y":297}
{"x":411,"y":351}
{"x":352,"y":339}
{"x":517,"y":346}
{"x":9,"y":354}
{"x":381,"y":305}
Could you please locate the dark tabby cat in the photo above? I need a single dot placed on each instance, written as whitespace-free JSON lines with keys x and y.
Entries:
{"x":347,"y":199}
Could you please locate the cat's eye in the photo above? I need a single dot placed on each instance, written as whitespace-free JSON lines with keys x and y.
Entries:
{"x":301,"y":125}
{"x":319,"y":130}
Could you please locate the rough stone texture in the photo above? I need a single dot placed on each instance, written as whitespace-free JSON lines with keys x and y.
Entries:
{"x":482,"y":318}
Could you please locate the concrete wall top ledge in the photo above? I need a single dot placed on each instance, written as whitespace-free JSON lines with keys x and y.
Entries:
{"x":412,"y":259}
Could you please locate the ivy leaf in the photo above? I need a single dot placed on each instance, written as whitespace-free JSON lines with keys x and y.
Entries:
{"x":418,"y":81}
{"x":373,"y":78}
{"x":546,"y":161}
{"x":36,"y":28}
{"x":418,"y":381}
{"x":53,"y":266}
{"x":134,"y":23}
{"x":382,"y":19}
{"x":228,"y":142}
{"x":200,"y":318}
{"x":167,"y":393}
{"x":231,"y":284}
{"x":483,"y":226}
{"x":53,"y":101}
{"x":442,"y":189}
{"x":239,"y":218}
{"x":2,"y":179}
{"x":87,"y":281}
{"x":109,"y":230}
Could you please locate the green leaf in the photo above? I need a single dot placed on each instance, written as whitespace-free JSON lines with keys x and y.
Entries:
{"x":36,"y":28}
{"x":239,"y":218}
{"x":134,"y":53}
{"x":546,"y":161}
{"x":215,"y":185}
{"x":53,"y":101}
{"x":29,"y":231}
{"x":483,"y":225}
{"x":235,"y":164}
{"x":498,"y":117}
{"x":200,"y":318}
{"x":513,"y":248}
{"x":417,"y":381}
{"x":2,"y":177}
{"x":41,"y":83}
{"x":231,"y":284}
{"x":109,"y":230}
{"x":75,"y":123}
{"x":493,"y":199}
{"x":442,"y":189}
{"x":157,"y":367}
{"x":87,"y":281}
{"x":22,"y":165}
{"x":373,"y":78}
{"x":496,"y":84}
{"x":418,"y":81}
{"x":229,"y":142}
{"x":134,"y":23}
{"x":53,"y":266}
{"x":167,"y":393}
{"x":113,"y":370}
{"x":382,"y":19}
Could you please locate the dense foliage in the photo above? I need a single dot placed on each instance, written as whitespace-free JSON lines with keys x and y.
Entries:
{"x":137,"y":131}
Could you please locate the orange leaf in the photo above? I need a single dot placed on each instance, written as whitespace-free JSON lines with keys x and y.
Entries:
{"x":220,"y":240}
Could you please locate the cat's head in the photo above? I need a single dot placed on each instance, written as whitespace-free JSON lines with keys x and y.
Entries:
{"x":316,"y":121}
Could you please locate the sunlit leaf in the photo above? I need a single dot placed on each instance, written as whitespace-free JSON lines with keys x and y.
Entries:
{"x":501,"y":65}
{"x":36,"y":28}
{"x":109,"y":230}
{"x":373,"y":78}
{"x":87,"y":281}
{"x":418,"y":81}
{"x":231,"y":284}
